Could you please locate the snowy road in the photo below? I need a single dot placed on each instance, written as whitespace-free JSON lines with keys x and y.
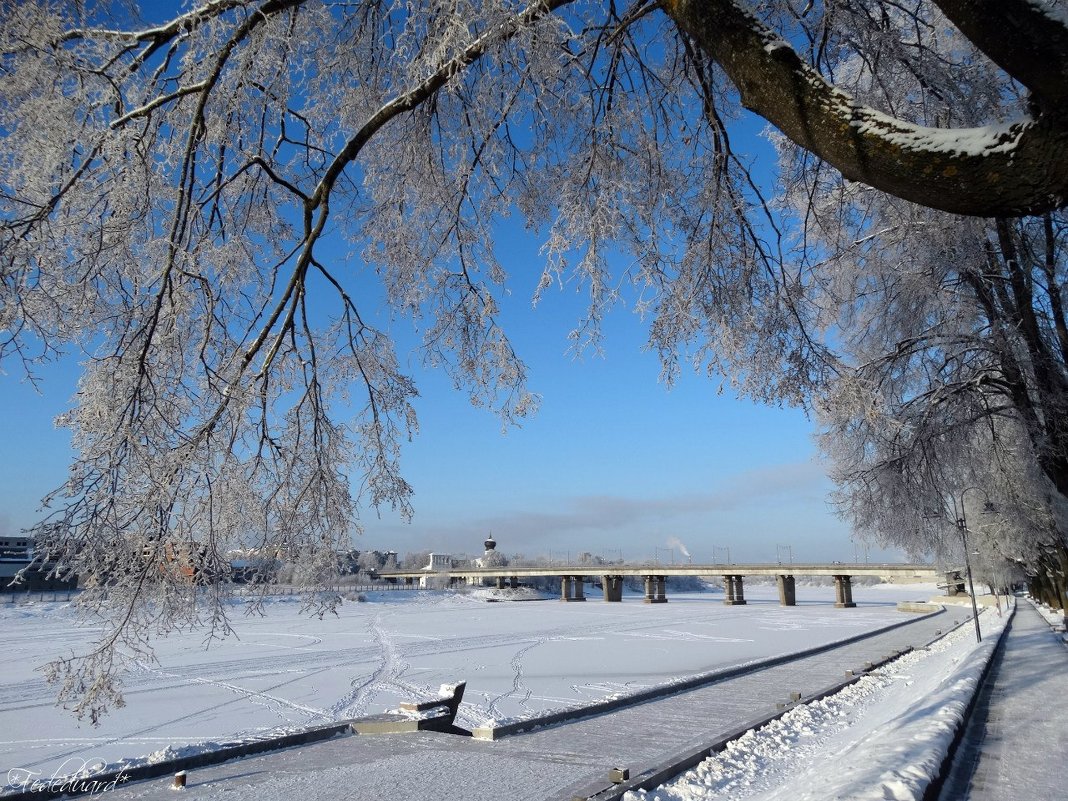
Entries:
{"x":1029,"y":682}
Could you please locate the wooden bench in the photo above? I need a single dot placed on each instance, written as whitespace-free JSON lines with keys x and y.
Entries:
{"x":435,"y":715}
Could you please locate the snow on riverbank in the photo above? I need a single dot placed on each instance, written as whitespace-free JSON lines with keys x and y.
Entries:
{"x":883,"y":737}
{"x":1055,"y":618}
{"x":285,"y":671}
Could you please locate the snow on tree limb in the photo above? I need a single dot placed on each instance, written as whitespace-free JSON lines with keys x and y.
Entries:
{"x":1020,"y":170}
{"x":226,"y":214}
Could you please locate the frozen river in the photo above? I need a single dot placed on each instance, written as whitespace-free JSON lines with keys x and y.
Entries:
{"x":285,"y":670}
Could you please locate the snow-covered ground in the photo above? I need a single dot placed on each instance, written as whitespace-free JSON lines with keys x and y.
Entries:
{"x":883,"y":737}
{"x":1054,"y":617}
{"x":286,"y":671}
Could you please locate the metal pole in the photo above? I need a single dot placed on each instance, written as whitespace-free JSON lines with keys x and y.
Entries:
{"x":962,"y":524}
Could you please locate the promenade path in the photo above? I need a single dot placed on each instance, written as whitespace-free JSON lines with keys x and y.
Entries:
{"x":548,"y":763}
{"x":1017,"y":739}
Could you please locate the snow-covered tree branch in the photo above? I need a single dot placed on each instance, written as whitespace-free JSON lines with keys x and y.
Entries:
{"x":209,"y":209}
{"x":1007,"y":168}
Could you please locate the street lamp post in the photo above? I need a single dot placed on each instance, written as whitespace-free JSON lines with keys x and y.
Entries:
{"x":856,"y":553}
{"x":962,"y":525}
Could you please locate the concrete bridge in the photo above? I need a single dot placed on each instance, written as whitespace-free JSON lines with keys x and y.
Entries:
{"x":573,"y":577}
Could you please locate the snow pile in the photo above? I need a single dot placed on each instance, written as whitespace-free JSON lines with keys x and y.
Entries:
{"x":170,"y":753}
{"x":507,"y":594}
{"x":1055,"y":618}
{"x":883,"y":737}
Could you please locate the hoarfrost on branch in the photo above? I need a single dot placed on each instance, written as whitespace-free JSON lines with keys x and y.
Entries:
{"x":211,"y":210}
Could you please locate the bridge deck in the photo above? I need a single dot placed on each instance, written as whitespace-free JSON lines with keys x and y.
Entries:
{"x":891,"y":571}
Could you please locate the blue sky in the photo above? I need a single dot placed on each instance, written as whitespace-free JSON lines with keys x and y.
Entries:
{"x":613,"y":462}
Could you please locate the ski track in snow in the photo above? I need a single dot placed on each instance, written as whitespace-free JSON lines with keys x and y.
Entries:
{"x":142,"y":735}
{"x":309,"y":658}
{"x":374,"y":657}
{"x":264,"y":699}
{"x":685,"y":636}
{"x":385,"y":677}
{"x":493,"y":710}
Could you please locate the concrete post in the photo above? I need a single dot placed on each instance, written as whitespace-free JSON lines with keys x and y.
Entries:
{"x":612,"y":587}
{"x":843,"y":592}
{"x":739,"y":591}
{"x":787,"y":592}
{"x":576,"y":583}
{"x":571,"y":588}
{"x":654,"y":590}
{"x":733,"y":590}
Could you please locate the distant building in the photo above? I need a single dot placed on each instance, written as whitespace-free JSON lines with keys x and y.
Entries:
{"x":439,"y":561}
{"x":492,"y":557}
{"x":188,"y":561}
{"x":17,"y":554}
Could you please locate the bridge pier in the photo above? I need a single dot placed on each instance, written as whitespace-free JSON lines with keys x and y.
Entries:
{"x":613,"y":588}
{"x":500,"y":582}
{"x":733,"y":590}
{"x":513,"y":582}
{"x":571,"y":588}
{"x":654,"y":590}
{"x":843,"y":592}
{"x":787,"y":592}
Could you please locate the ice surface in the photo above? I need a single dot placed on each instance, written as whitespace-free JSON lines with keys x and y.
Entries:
{"x":287,"y":671}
